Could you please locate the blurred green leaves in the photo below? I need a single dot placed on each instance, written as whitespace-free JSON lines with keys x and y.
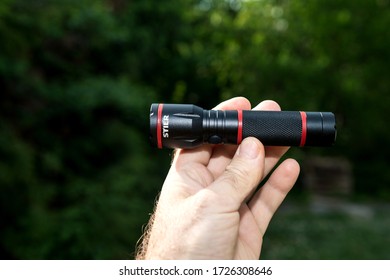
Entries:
{"x":76,"y":177}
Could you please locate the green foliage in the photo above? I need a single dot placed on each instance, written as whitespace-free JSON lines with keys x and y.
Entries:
{"x":77,"y":176}
{"x":304,"y":235}
{"x":72,"y":172}
{"x":75,"y":169}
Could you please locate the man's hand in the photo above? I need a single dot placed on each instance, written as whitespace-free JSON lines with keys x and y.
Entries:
{"x":208,"y":207}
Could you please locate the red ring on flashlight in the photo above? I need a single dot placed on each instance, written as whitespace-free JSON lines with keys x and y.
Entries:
{"x":239,"y":127}
{"x":304,"y":129}
{"x":159,"y":125}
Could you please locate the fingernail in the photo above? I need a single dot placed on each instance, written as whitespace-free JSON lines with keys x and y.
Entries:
{"x":249,"y":149}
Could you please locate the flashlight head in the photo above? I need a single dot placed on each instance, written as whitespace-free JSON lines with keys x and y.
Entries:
{"x":173,"y":125}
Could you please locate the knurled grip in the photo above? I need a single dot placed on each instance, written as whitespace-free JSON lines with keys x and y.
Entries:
{"x":276,"y":128}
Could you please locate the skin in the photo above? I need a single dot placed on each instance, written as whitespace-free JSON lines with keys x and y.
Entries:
{"x":209,"y":207}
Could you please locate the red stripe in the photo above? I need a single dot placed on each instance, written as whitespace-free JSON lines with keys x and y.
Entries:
{"x":159,"y":126}
{"x":239,"y":127}
{"x":304,"y":129}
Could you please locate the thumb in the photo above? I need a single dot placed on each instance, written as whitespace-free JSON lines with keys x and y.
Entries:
{"x":243,"y":174}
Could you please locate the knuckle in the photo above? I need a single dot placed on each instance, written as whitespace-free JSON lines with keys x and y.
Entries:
{"x":241,"y":180}
{"x":202,"y":203}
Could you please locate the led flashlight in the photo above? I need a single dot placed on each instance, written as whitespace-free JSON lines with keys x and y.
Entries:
{"x":188,"y":126}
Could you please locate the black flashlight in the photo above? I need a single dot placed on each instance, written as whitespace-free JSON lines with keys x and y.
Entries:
{"x":189,"y":126}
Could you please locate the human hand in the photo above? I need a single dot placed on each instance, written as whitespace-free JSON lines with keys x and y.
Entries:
{"x":208,"y":207}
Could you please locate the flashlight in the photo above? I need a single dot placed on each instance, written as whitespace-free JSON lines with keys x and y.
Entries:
{"x":188,"y":126}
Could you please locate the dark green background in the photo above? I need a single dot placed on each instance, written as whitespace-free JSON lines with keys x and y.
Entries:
{"x":78,"y":178}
